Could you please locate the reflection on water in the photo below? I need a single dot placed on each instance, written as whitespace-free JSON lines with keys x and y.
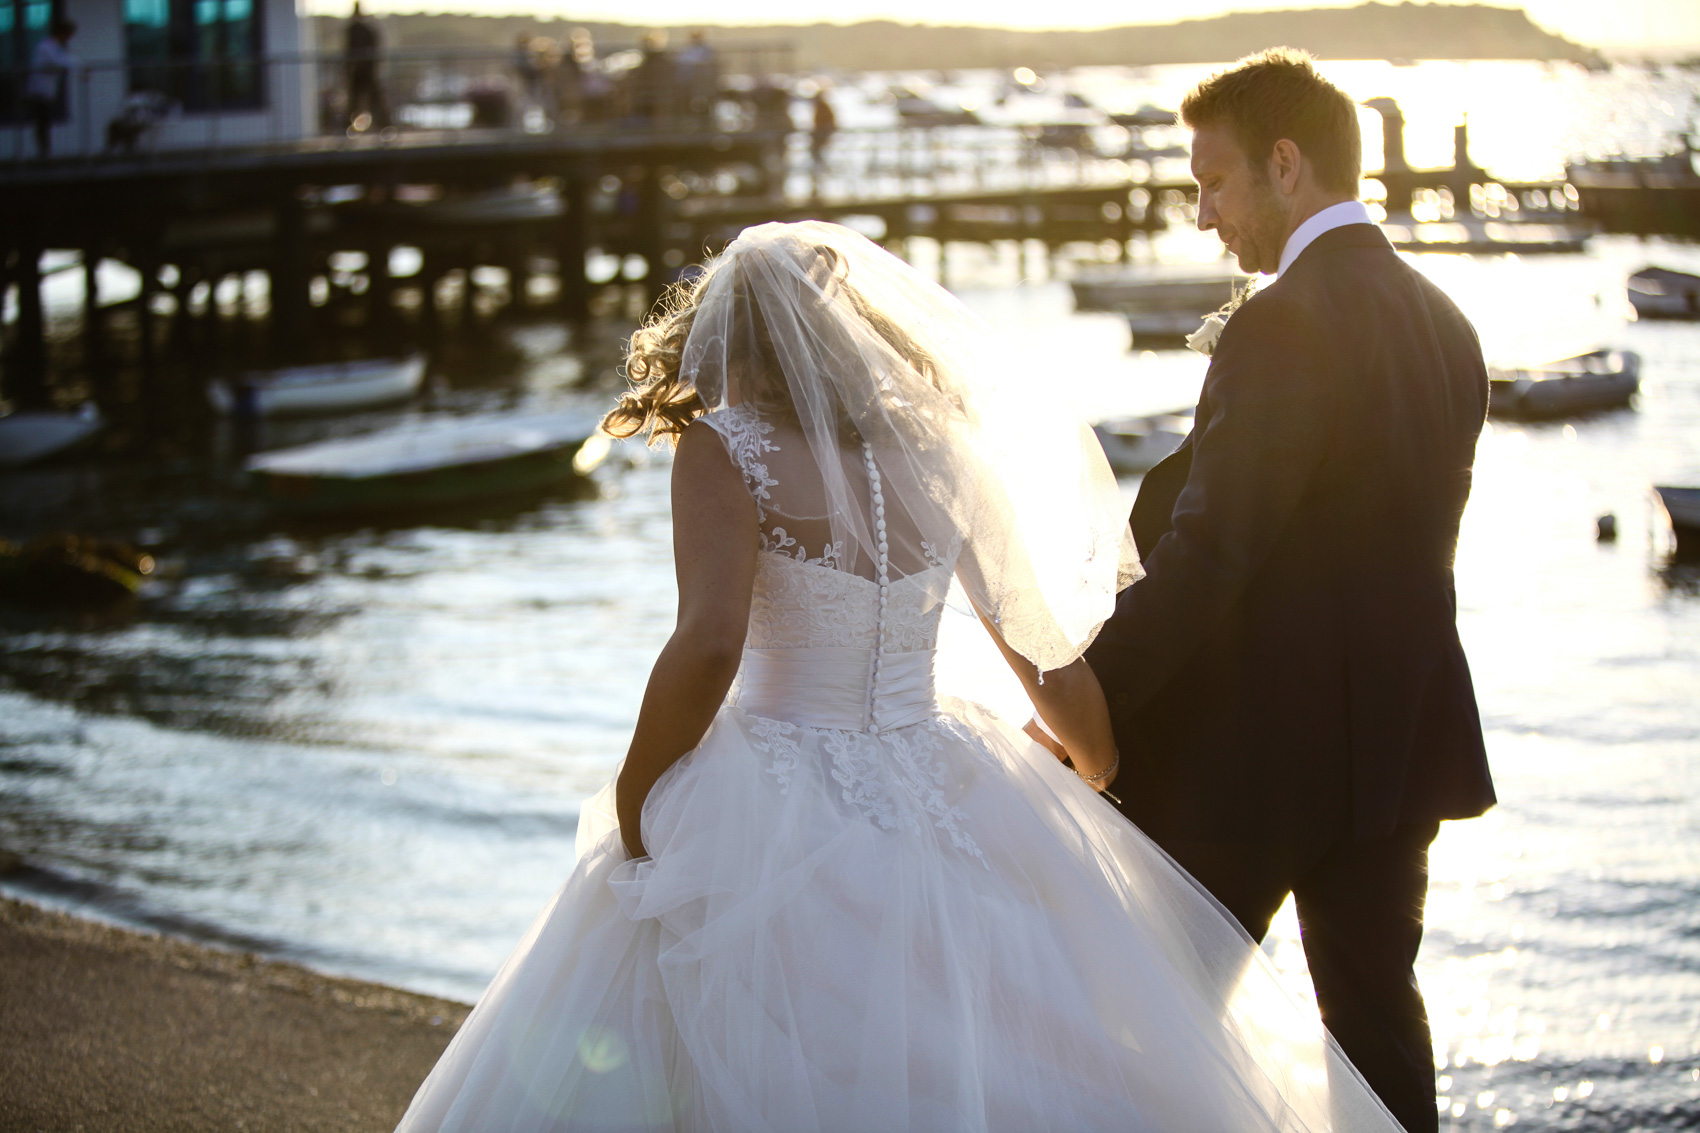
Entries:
{"x":366,"y":747}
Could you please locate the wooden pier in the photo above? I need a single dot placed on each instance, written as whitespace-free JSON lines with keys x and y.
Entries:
{"x":322,"y":215}
{"x":665,"y":193}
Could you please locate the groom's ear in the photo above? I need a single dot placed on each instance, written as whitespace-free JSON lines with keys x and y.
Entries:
{"x":1286,"y":166}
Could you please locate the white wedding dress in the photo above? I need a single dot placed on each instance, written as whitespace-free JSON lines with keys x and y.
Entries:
{"x":869,"y":911}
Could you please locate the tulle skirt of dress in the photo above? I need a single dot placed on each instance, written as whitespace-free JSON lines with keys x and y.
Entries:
{"x":936,"y":928}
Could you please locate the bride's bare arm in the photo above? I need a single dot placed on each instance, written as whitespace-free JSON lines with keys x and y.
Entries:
{"x":714,"y":553}
{"x":1071,"y":702}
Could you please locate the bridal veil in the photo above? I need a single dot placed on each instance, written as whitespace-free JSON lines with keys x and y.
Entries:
{"x":814,"y":320}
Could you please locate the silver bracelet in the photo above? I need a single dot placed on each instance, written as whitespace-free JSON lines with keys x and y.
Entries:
{"x":1106,"y":772}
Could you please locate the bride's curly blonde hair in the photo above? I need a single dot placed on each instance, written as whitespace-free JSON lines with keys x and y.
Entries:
{"x":658,"y":401}
{"x":663,"y":404}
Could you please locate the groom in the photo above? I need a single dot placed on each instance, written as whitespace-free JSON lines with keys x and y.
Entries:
{"x":1289,"y":695}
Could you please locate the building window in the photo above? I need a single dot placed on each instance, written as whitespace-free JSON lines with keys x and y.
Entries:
{"x":202,"y":54}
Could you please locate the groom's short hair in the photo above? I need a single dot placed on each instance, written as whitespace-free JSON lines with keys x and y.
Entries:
{"x":1277,"y":94}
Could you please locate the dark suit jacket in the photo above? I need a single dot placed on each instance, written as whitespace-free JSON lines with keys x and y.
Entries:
{"x":1289,"y":667}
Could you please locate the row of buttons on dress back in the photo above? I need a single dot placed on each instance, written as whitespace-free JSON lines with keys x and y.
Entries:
{"x":882,"y":575}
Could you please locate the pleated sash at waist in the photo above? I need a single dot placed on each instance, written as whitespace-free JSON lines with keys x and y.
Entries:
{"x":837,"y":688}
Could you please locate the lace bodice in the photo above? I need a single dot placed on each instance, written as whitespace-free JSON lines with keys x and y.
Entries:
{"x":800,"y":605}
{"x":813,"y":602}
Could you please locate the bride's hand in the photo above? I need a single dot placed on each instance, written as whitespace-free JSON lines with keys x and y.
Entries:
{"x":1039,"y":736}
{"x":628,"y":804}
{"x":1050,"y":743}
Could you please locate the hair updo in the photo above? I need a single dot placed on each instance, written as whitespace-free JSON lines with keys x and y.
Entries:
{"x":663,"y":402}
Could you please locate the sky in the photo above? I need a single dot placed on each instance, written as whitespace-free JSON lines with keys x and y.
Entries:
{"x":1622,"y":25}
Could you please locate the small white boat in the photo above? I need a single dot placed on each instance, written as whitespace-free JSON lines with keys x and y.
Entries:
{"x":1659,"y":293}
{"x":1136,"y":444}
{"x":1161,"y":328}
{"x":1472,"y":237}
{"x":1599,"y":379}
{"x":1147,"y":115}
{"x":30,"y":435}
{"x":494,"y":206}
{"x":1683,"y":507}
{"x":1159,"y":305}
{"x":441,"y":462}
{"x":1196,"y":292}
{"x":336,"y":387}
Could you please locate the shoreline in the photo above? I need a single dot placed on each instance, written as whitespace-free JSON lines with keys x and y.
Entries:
{"x":114,"y":1029}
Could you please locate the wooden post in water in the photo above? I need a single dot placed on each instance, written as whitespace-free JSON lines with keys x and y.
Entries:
{"x":651,"y":237}
{"x":211,"y":325}
{"x":382,"y":323}
{"x":291,"y":308}
{"x":94,"y":336}
{"x":26,"y":362}
{"x":149,"y":269}
{"x":1395,"y":168}
{"x":573,"y":244}
{"x":515,"y":258}
{"x":182,"y":330}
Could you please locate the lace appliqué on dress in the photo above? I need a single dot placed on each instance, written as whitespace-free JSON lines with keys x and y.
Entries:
{"x":945,"y":558}
{"x":797,"y":603}
{"x":780,"y":543}
{"x":778,"y":739}
{"x":911,"y":764}
{"x":747,"y":440}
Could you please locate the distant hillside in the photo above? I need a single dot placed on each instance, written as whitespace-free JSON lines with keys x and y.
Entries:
{"x":1370,"y":31}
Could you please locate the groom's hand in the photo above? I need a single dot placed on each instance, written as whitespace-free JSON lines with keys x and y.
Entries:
{"x":1037,"y":734}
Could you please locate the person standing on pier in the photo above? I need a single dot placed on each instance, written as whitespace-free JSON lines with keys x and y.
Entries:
{"x":1290,"y":700}
{"x":699,"y":78}
{"x":654,"y":80}
{"x":48,"y":89}
{"x":825,"y":125}
{"x":360,"y":55}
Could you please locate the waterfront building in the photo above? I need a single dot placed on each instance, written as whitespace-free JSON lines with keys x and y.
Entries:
{"x":164,"y":74}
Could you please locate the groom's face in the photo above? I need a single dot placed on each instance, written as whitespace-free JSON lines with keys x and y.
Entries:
{"x":1237,"y":200}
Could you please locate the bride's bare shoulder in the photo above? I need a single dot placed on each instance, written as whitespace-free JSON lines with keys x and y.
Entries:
{"x":702,"y":468}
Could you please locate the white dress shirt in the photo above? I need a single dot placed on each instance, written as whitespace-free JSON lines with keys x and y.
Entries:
{"x":1334,"y":216}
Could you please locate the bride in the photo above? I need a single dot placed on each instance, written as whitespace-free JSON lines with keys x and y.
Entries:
{"x":817,"y":897}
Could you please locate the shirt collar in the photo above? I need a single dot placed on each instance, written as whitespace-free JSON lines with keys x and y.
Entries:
{"x":1334,"y":216}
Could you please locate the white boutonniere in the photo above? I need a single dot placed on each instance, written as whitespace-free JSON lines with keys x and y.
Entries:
{"x":1204,"y":339}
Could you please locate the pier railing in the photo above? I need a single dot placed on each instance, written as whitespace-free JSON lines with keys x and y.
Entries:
{"x":972,"y":159}
{"x":132,"y":110}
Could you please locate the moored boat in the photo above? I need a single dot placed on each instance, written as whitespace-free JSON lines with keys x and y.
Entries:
{"x":1136,"y":444}
{"x":1660,"y":293}
{"x":1158,"y":305}
{"x":27,"y":436}
{"x":1682,"y":505}
{"x":1196,"y":292}
{"x":494,"y":206}
{"x":1472,"y":237}
{"x":335,"y":387}
{"x":1599,"y":379}
{"x":1146,"y":115}
{"x":1644,"y":195}
{"x":445,"y":462}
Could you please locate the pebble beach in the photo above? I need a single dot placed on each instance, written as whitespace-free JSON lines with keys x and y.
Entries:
{"x":126,"y":1032}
